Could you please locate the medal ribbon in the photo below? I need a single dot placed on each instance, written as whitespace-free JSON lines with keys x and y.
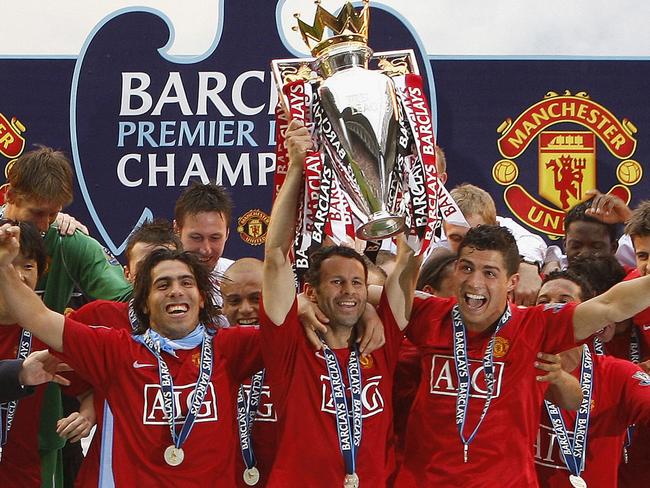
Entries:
{"x":462,"y":371}
{"x":348,"y":427}
{"x":575,"y":453}
{"x":246,"y":413}
{"x":167,"y":387}
{"x":8,"y":410}
{"x":635,"y":357}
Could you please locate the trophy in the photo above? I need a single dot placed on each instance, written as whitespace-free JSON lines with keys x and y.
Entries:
{"x":376,"y":161}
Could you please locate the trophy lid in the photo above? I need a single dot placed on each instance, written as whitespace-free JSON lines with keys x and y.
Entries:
{"x":349,"y":26}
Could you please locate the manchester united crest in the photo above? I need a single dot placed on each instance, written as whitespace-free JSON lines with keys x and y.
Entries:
{"x":566,"y":159}
{"x":252,"y":226}
{"x":501,"y":346}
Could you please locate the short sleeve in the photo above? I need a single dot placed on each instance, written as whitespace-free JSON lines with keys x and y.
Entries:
{"x":92,"y":351}
{"x":392,"y":331}
{"x":636,"y":391}
{"x":558,"y":326}
{"x":280,"y":342}
{"x":240,"y":347}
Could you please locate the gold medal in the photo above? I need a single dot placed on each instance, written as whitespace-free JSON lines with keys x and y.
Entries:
{"x":351,"y":481}
{"x":174,"y":456}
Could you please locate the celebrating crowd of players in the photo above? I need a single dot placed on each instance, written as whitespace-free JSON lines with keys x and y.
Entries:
{"x":197,"y":371}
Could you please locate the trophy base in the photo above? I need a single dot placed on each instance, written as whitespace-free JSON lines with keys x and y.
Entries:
{"x":381,"y":225}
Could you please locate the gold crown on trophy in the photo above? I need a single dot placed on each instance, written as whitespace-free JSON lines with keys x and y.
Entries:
{"x":348,"y":26}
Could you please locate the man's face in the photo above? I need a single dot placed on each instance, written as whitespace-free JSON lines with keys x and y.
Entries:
{"x":241,"y":293}
{"x":27,"y":270}
{"x":456,"y":233}
{"x":40,"y":213}
{"x":587,"y":239}
{"x":174,"y":300}
{"x":483,"y":285}
{"x":559,"y":291}
{"x":642,"y":251}
{"x":341,"y":293}
{"x":204,"y":234}
{"x":139,"y":253}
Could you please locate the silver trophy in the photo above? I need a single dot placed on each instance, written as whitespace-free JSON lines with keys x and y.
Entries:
{"x":361,"y":106}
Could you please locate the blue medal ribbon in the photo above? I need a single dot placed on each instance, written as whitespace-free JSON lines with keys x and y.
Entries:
{"x":167,"y":386}
{"x":462,"y":372}
{"x":635,"y":357}
{"x":575,"y":453}
{"x":246,"y":413}
{"x":8,"y":410}
{"x":348,"y":427}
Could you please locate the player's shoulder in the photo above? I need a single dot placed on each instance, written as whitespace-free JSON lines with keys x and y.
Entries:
{"x":93,"y":312}
{"x":617,"y":369}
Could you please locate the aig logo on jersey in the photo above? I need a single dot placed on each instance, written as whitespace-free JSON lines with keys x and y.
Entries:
{"x":265,"y":410}
{"x":547,"y":449}
{"x":445,"y":382}
{"x":371,"y":398}
{"x":154,"y":414}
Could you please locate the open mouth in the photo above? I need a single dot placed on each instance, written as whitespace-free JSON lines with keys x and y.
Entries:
{"x":248,"y":321}
{"x":177,"y":309}
{"x":474,"y":301}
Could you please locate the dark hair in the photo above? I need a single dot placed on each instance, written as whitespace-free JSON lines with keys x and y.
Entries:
{"x":493,"y":238}
{"x":639,"y":223}
{"x":158,"y":233}
{"x":32,"y":245}
{"x":586,"y":291}
{"x":42,"y":174}
{"x":312,"y":276}
{"x":436,"y":268}
{"x":578,"y":214}
{"x":203,"y":198}
{"x":142,"y":286}
{"x":602,"y":272}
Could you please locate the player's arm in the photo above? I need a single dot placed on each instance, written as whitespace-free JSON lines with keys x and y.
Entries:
{"x":400,"y":283}
{"x":19,"y":301}
{"x":278,"y":290}
{"x":563,"y":389}
{"x":78,"y":425}
{"x":97,"y":273}
{"x":620,"y":302}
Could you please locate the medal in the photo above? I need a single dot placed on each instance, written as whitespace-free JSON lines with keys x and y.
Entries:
{"x":349,"y":420}
{"x":246,"y":412}
{"x":351,"y":481}
{"x":574,"y":451}
{"x":463,"y":374}
{"x":251,"y":476}
{"x":174,"y":455}
{"x":577,"y":481}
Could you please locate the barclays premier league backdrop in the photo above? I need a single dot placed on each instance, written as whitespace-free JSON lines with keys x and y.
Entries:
{"x":141,"y":119}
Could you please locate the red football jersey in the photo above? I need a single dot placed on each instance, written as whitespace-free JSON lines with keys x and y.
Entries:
{"x":135,"y":432}
{"x":21,"y":462}
{"x":308,"y":452}
{"x":620,"y":397}
{"x":501,"y":454}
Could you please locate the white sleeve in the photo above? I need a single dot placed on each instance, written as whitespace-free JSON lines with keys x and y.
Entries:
{"x":625,"y":253}
{"x":531,"y":246}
